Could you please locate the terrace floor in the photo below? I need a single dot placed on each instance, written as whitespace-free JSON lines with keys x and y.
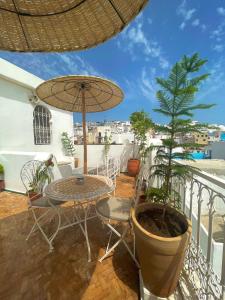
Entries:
{"x":29,"y":271}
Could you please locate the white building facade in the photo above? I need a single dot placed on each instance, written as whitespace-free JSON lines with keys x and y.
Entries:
{"x":29,"y":128}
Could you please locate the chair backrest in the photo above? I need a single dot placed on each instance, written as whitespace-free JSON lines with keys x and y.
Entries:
{"x":30,"y":176}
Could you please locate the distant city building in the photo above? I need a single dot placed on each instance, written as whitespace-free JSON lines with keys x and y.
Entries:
{"x":201,"y":138}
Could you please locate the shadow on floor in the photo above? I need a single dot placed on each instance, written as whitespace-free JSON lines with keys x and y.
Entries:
{"x":29,"y":271}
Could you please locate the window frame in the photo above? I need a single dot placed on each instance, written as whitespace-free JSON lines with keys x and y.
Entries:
{"x":42,"y":129}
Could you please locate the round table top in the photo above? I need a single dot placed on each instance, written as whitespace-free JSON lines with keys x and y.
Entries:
{"x":70,"y":189}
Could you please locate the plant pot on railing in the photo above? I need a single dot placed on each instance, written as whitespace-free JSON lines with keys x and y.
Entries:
{"x":161,"y":258}
{"x":133,"y":167}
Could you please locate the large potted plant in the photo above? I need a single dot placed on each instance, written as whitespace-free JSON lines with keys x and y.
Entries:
{"x":2,"y":180}
{"x":163,"y":232}
{"x":140,"y":125}
{"x":69,"y":148}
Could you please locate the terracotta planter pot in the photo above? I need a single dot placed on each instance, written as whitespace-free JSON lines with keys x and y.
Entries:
{"x":161,"y":259}
{"x":133,"y":166}
{"x":76,"y":162}
{"x":2,"y":185}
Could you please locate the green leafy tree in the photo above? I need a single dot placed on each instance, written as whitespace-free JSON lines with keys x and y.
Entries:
{"x":140,"y":125}
{"x":176,"y":97}
{"x":68,"y":144}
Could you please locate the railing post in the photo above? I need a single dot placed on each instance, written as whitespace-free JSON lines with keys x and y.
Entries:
{"x":222,"y":282}
{"x":199,"y":216}
{"x":191,"y":196}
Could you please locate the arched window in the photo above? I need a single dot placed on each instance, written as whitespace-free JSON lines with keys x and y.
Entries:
{"x":41,"y":125}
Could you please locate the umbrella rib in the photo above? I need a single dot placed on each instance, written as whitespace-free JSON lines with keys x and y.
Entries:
{"x":21,"y":24}
{"x":76,"y":98}
{"x":17,"y":12}
{"x":55,"y":94}
{"x":117,"y":12}
{"x":99,"y":104}
{"x":104,"y":91}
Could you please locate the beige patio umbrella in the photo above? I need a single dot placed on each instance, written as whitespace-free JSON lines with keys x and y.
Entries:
{"x":83,"y":94}
{"x":62,"y":25}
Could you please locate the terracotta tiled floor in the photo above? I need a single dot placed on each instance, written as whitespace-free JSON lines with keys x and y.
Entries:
{"x":29,"y":271}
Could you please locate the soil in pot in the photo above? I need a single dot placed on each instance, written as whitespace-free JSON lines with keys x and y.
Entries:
{"x":164,"y":225}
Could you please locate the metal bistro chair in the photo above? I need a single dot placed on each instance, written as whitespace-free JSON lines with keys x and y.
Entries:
{"x":117,"y":210}
{"x":38,"y":201}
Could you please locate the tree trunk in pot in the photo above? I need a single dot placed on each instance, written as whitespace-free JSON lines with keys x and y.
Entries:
{"x":161,"y":259}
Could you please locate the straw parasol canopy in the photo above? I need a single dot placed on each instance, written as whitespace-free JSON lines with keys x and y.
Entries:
{"x":83,"y":94}
{"x":62,"y":25}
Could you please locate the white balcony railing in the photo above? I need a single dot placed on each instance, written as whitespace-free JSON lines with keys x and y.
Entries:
{"x":203,"y":201}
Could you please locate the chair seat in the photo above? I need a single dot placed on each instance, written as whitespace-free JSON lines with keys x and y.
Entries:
{"x":114,"y":208}
{"x":44,"y":202}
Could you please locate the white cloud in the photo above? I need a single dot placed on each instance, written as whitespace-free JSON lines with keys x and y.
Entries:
{"x":76,"y":65}
{"x":218,"y":48}
{"x":218,"y":34}
{"x":164,"y":64}
{"x":195,"y":23}
{"x":56,"y":64}
{"x":203,"y":27}
{"x":135,"y":41}
{"x":215,"y":81}
{"x":185,"y":13}
{"x":221,"y":11}
{"x":189,"y":14}
{"x":182,"y":25}
{"x":149,"y":21}
{"x":148,"y":84}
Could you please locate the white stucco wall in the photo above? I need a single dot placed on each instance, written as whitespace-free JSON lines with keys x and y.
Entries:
{"x":96,"y":154}
{"x":16,"y":122}
{"x":16,"y":117}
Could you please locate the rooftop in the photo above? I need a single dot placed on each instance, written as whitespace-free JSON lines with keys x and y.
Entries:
{"x":31,"y":272}
{"x":213,"y":166}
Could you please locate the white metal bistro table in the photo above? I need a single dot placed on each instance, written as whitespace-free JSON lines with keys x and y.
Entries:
{"x":82,"y":193}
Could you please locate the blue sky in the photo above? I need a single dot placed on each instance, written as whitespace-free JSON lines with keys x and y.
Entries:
{"x":147,"y":48}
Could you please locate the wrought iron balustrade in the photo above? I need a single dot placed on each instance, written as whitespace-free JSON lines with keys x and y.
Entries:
{"x":203,"y":201}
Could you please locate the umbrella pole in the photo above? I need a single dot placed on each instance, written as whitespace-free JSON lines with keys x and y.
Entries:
{"x":84,"y":129}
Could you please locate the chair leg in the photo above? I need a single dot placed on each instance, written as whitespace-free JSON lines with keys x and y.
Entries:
{"x":48,"y":240}
{"x":58,"y":227}
{"x":121,"y":239}
{"x":86,"y":233}
{"x":110,"y":235}
{"x":108,"y":251}
{"x":35,"y":225}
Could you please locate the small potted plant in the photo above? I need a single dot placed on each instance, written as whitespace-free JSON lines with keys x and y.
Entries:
{"x":69,"y":148}
{"x":41,"y":176}
{"x":2,"y":180}
{"x":162,"y":231}
{"x":140,"y":125}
